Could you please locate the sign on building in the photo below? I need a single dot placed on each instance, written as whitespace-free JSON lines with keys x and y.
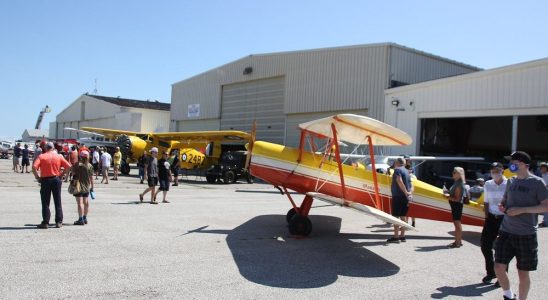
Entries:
{"x":193,"y":110}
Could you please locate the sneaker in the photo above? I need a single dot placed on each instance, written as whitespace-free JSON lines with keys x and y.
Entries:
{"x":393,"y":240}
{"x":58,"y":224}
{"x":402,"y":239}
{"x":85,"y":221}
{"x":542,"y":225}
{"x":43,"y":226}
{"x":506,"y":298}
{"x":141,"y":197}
{"x":153,"y":202}
{"x":79,"y":222}
{"x":488,"y":279}
{"x":165,"y":201}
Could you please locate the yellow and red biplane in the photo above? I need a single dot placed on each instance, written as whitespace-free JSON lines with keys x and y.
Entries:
{"x":326,"y":177}
{"x":198,"y":149}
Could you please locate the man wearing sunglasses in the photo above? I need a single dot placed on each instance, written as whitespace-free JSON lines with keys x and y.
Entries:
{"x":526,"y":196}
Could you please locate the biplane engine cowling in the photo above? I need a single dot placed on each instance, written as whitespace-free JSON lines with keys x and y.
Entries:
{"x":131,"y":146}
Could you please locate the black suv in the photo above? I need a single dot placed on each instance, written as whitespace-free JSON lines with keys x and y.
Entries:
{"x":230,"y":168}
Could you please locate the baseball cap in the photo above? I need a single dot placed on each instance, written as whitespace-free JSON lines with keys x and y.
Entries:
{"x":154,"y":149}
{"x":496,"y":165}
{"x":84,"y":154}
{"x":521,"y":156}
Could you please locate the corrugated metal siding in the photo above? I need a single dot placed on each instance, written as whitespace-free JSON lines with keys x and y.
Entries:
{"x":293,"y":134}
{"x":146,"y":120}
{"x":409,"y":67}
{"x":513,"y":90}
{"x":199,"y":125}
{"x":260,"y":100}
{"x":318,"y":80}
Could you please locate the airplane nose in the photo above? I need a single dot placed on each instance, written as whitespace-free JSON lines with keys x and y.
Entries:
{"x":124,"y":142}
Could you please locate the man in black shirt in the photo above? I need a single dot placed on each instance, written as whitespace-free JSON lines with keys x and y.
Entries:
{"x":164,"y":176}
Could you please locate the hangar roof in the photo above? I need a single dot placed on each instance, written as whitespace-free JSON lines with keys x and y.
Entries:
{"x":148,"y":104}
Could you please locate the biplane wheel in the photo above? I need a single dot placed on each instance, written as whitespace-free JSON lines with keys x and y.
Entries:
{"x":300,"y":225}
{"x":249,"y":178}
{"x":290,"y":214}
{"x":229,"y":177}
{"x":125,"y":169}
{"x":211,"y":178}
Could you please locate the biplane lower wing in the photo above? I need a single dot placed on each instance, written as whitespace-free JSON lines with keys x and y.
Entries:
{"x":361,"y":208}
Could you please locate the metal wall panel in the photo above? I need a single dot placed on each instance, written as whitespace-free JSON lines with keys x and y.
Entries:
{"x":332,"y":79}
{"x":260,"y":100}
{"x":411,"y":66}
{"x":199,"y":125}
{"x":515,"y":90}
{"x":292,"y":132}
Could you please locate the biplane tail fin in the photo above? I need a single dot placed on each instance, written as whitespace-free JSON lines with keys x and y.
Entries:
{"x":379,"y":214}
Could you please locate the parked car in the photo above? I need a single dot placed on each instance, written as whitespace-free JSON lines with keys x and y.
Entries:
{"x":231,"y":168}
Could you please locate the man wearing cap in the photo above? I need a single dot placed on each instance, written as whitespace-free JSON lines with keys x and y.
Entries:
{"x":151,"y":175}
{"x":401,"y":194}
{"x":526,"y":196}
{"x":49,"y":164}
{"x":493,"y":192}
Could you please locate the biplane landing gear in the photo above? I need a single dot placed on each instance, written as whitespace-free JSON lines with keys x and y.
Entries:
{"x":300,"y":225}
{"x":290,"y":214}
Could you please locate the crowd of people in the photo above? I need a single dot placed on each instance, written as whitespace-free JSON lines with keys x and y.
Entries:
{"x":511,"y":207}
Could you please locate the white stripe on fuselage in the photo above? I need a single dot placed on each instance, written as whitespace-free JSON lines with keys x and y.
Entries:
{"x":359,"y":184}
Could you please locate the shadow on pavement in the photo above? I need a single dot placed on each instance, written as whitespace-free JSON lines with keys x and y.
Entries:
{"x":471,"y":237}
{"x":265,"y":254}
{"x":471,"y":290}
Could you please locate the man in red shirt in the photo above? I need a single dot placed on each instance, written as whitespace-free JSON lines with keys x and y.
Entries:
{"x":49,"y":164}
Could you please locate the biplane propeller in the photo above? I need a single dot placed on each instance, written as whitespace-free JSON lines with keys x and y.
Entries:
{"x":319,"y":176}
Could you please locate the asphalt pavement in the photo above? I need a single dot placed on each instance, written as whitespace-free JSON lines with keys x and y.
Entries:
{"x":227,"y":242}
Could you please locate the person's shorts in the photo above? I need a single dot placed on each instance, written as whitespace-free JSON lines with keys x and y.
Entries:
{"x":83,"y":195}
{"x":105,"y":168}
{"x":17,"y":160}
{"x":400,"y":206}
{"x":164,"y":185}
{"x":95,"y":167}
{"x":25,"y":162}
{"x":523,"y":247}
{"x":152,"y":181}
{"x":175,"y":172}
{"x":456,"y":210}
{"x":117,"y":166}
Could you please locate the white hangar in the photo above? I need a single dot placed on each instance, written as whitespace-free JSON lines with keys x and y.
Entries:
{"x":488,"y":113}
{"x":281,"y":90}
{"x":111,"y":112}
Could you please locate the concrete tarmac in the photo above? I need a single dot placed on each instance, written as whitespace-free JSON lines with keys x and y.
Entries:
{"x":228,"y":242}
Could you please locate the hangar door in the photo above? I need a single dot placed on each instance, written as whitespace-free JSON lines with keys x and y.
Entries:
{"x":261,"y":100}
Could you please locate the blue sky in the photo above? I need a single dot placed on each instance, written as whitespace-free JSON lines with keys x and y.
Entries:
{"x":52,"y":51}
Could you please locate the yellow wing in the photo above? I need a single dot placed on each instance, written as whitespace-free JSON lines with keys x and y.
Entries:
{"x":205,"y":136}
{"x":111,"y":132}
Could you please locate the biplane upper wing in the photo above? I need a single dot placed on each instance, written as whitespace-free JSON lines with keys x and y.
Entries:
{"x":110,"y":132}
{"x":206,"y":136}
{"x":355,"y":128}
{"x":83,"y":131}
{"x":379,"y":214}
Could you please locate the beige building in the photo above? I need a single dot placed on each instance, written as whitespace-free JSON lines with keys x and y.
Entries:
{"x":281,"y":90}
{"x":111,"y":112}
{"x":489,"y":113}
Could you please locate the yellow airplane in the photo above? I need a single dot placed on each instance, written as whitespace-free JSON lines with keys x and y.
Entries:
{"x":199,"y":149}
